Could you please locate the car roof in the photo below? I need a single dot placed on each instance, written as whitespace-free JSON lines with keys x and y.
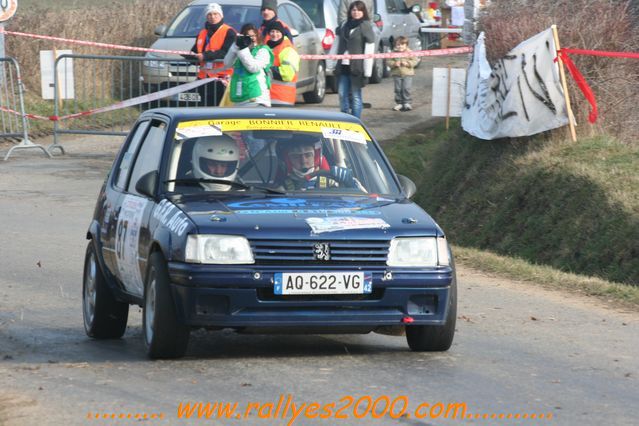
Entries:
{"x":199,"y":113}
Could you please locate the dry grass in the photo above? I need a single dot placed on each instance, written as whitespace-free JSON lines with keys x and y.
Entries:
{"x":129,"y":23}
{"x":583,"y":24}
{"x":521,"y":270}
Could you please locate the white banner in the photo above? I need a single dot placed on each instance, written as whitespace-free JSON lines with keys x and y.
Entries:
{"x":520,"y":96}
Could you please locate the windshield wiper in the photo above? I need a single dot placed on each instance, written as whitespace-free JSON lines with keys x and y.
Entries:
{"x":196,"y":181}
{"x":268,"y":190}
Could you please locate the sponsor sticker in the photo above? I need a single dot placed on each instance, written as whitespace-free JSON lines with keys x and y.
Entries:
{"x":343,"y":223}
{"x":343,"y":135}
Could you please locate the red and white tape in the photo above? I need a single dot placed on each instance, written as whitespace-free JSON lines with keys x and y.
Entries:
{"x":411,"y":54}
{"x":438,"y":52}
{"x":93,"y":43}
{"x":124,"y":104}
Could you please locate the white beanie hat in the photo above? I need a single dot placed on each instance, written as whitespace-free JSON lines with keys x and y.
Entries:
{"x":214,"y":8}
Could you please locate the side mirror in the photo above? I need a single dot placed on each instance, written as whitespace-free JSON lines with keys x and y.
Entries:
{"x":377,"y":18}
{"x":294,"y":32}
{"x":160,"y":30}
{"x":147,"y":183}
{"x":408,"y":186}
{"x":416,"y":8}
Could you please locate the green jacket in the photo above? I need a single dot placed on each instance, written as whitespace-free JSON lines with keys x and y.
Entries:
{"x":245,"y":83}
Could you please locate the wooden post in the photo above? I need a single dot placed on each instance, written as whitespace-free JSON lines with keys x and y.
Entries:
{"x":448,"y":100}
{"x":562,"y":74}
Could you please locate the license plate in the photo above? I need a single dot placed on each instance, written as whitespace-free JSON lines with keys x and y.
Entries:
{"x":323,"y":283}
{"x":189,"y":97}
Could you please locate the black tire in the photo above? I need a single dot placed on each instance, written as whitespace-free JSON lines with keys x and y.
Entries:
{"x":378,"y":71}
{"x":387,"y":70}
{"x":435,"y":338}
{"x":319,"y":90}
{"x":164,"y":336}
{"x":420,"y":46}
{"x":331,"y":83}
{"x":104,"y":316}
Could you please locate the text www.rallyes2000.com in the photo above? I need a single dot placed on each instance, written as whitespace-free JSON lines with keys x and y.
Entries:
{"x":347,"y":407}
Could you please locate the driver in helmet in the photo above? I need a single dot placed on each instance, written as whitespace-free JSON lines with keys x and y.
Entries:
{"x":215,"y":158}
{"x":307,"y":168}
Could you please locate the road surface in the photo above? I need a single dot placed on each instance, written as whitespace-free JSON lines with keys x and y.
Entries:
{"x":519,"y":349}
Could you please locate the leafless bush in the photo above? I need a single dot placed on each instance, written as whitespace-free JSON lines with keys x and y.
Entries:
{"x":128,"y":23}
{"x":606,"y":25}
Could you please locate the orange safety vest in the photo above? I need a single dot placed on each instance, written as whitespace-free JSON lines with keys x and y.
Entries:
{"x":283,"y":92}
{"x":212,"y":69}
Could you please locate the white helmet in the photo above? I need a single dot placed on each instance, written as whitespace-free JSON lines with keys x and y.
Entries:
{"x":215,"y":157}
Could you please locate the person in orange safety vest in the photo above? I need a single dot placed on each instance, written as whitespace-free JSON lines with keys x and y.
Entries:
{"x":211,"y":45}
{"x":269,"y":14}
{"x":285,"y":67}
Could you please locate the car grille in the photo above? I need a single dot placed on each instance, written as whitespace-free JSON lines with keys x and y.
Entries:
{"x":303,"y":252}
{"x":182,"y":69}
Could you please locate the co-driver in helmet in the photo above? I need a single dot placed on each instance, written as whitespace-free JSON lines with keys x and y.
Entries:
{"x":215,"y":158}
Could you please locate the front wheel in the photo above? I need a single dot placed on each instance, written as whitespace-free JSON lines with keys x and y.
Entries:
{"x":317,"y":95}
{"x":164,"y":336}
{"x":434,"y":338}
{"x":104,"y":316}
{"x":386,"y":68}
{"x":378,"y":71}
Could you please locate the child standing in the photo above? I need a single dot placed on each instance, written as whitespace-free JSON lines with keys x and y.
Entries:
{"x":402,"y":70}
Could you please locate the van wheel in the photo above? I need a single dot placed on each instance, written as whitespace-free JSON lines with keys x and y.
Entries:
{"x":164,"y":336}
{"x":434,"y":338}
{"x":387,"y":70}
{"x":331,"y":83}
{"x":378,"y":71}
{"x":317,"y":95}
{"x":104,"y":316}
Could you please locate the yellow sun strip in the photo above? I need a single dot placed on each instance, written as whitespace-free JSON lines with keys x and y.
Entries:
{"x":276,"y":124}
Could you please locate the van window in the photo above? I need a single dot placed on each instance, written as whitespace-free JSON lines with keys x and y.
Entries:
{"x":315,"y":10}
{"x":298,"y":20}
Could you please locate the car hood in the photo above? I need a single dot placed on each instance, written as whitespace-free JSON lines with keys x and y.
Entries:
{"x":341,"y":217}
{"x":172,"y":43}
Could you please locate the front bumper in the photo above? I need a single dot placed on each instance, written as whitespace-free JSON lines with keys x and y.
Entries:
{"x":217,"y":296}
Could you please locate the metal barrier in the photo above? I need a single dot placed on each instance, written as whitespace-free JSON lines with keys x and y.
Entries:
{"x":12,"y":116}
{"x":87,"y":82}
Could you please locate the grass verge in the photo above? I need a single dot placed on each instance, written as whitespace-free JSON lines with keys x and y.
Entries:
{"x":521,"y":270}
{"x":567,"y":207}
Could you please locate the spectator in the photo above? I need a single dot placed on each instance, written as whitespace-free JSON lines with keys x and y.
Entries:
{"x":269,"y":14}
{"x":286,"y":65}
{"x":342,"y":14}
{"x":251,"y":62}
{"x":215,"y":160}
{"x":402,"y":70}
{"x":355,"y":37}
{"x":211,"y":45}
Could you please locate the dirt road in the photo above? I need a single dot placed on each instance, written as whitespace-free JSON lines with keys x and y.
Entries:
{"x":518,"y":349}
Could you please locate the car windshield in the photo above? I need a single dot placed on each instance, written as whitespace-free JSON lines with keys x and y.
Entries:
{"x":315,"y":10}
{"x":191,"y":20}
{"x":276,"y":156}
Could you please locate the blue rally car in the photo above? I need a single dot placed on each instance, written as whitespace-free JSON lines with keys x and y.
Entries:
{"x":263,"y":220}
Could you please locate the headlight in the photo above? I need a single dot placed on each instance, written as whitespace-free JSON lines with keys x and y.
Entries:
{"x":218,"y":249}
{"x":418,"y":252}
{"x":154,"y":63}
